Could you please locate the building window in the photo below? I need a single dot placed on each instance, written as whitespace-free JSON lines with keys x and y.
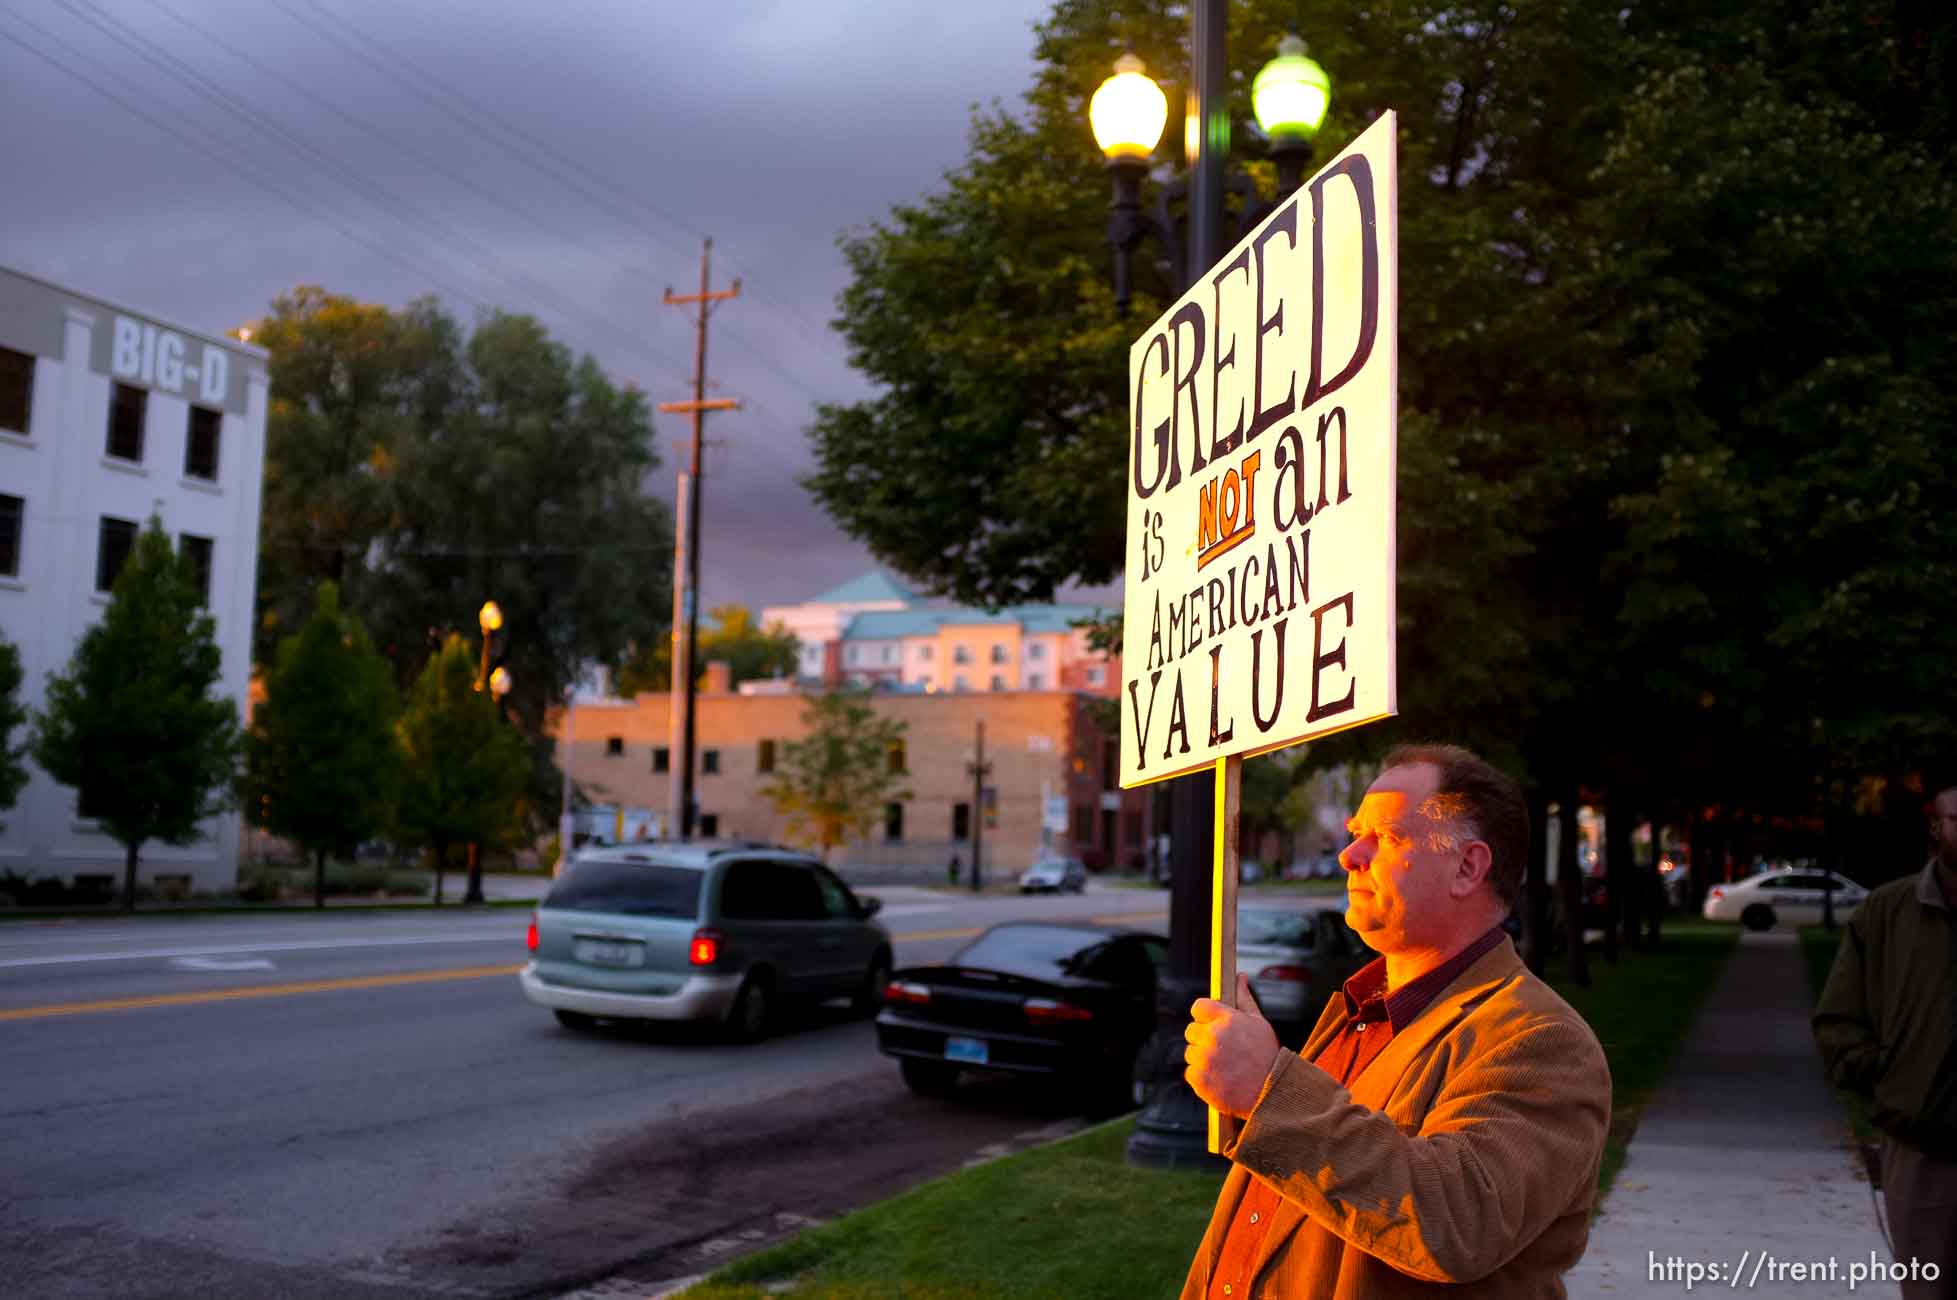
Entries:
{"x":662,"y":759}
{"x":196,"y":551}
{"x":1035,"y":682}
{"x":961,"y":821}
{"x":709,"y":825}
{"x":614,"y":747}
{"x":16,"y":390}
{"x":854,"y":657}
{"x":961,"y":654}
{"x":893,"y":821}
{"x":998,"y":654}
{"x":897,"y":761}
{"x":12,"y":511}
{"x":998,"y":682}
{"x":959,"y":683}
{"x":112,"y":547}
{"x":1096,"y":675}
{"x":200,"y":447}
{"x":764,"y":760}
{"x":1083,"y":827}
{"x":890,"y":654}
{"x":1110,"y":765}
{"x":924,"y":654}
{"x":710,"y":762}
{"x":126,"y":409}
{"x":1035,"y":651}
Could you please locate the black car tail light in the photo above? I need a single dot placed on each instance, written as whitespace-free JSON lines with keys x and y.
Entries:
{"x":1045,"y":1011}
{"x":530,"y":935}
{"x":705,"y":948}
{"x":1294,"y":974}
{"x":907,"y":994}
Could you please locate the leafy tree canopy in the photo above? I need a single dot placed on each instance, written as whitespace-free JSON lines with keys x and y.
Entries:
{"x":729,"y":636}
{"x":323,"y":761}
{"x":466,"y":766}
{"x":132,"y":723}
{"x":833,"y":783}
{"x":13,"y":715}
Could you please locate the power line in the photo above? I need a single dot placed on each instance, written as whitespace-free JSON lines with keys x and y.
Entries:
{"x":182,"y":72}
{"x":306,"y":208}
{"x":545,"y":155}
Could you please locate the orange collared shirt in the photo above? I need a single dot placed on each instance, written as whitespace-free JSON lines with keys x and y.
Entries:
{"x":1373,"y":1016}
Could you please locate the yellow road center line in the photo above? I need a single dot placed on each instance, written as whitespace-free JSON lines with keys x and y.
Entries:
{"x":258,"y":991}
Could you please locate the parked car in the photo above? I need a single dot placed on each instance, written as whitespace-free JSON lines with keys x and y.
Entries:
{"x":707,"y":931}
{"x":1055,"y":875}
{"x":1072,"y":1003}
{"x":1296,"y":958}
{"x":1760,"y":902}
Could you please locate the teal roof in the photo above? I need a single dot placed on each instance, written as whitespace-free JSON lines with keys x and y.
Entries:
{"x":876,"y":585}
{"x":1032,"y":619}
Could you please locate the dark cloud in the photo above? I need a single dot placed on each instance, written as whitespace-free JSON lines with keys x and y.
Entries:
{"x":633,"y":129}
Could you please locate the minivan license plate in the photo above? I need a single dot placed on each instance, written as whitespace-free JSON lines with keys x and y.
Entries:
{"x":597,"y":952}
{"x":971,"y":1050}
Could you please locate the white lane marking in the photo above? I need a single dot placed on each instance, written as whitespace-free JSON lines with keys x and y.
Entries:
{"x":221,"y":963}
{"x":513,"y":937}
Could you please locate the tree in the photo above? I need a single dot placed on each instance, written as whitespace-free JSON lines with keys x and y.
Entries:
{"x":323,"y":759}
{"x":131,"y":725}
{"x":833,"y":783}
{"x":466,"y":766}
{"x":730,"y":637}
{"x":13,"y":715}
{"x":427,"y":471}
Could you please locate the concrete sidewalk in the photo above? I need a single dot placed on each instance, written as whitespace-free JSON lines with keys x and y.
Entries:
{"x":1744,"y":1159}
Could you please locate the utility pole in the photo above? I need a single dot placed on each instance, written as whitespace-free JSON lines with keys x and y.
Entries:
{"x":697,"y":409}
{"x":681,"y":663}
{"x":980,"y":770}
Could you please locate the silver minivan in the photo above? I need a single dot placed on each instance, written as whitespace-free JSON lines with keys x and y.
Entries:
{"x":707,"y":931}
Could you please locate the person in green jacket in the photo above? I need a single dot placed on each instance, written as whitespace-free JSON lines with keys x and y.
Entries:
{"x":1887,"y":1027}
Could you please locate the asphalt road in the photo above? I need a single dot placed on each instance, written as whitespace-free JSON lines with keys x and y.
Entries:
{"x":363,"y":1105}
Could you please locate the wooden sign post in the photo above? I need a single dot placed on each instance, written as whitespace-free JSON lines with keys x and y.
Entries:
{"x":1262,"y":450}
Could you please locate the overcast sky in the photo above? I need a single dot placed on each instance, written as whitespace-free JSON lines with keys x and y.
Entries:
{"x":564,"y":160}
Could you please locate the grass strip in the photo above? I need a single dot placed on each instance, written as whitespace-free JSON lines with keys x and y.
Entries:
{"x":1075,"y":1219}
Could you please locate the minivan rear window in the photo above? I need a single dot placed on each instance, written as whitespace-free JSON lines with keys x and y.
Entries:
{"x":630,"y":888}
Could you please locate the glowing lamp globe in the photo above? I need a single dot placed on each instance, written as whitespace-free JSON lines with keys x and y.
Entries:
{"x":1128,"y":112}
{"x":1291,"y":93}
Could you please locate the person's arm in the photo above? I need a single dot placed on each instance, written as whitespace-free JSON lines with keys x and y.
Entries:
{"x":1516,"y":1130}
{"x":1844,"y":1022}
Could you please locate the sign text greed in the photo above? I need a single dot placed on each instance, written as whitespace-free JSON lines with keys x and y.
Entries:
{"x":1259,"y":605}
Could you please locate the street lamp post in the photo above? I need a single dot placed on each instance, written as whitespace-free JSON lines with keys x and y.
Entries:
{"x":1290,"y":96}
{"x":490,"y":619}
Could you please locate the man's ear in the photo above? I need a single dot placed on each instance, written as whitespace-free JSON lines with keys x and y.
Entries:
{"x":1476,"y":862}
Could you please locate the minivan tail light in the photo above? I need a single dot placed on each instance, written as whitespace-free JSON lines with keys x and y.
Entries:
{"x":1045,"y":1011}
{"x":705,"y":948}
{"x":907,"y":994}
{"x":1291,"y":974}
{"x":530,"y":935}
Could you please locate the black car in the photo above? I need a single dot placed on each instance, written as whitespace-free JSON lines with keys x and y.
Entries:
{"x":1073,"y":1003}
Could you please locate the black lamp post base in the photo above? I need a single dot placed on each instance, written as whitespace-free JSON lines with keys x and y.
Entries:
{"x":1173,"y":1129}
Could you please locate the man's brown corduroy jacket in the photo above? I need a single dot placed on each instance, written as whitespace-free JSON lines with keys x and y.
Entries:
{"x":1462,"y":1163}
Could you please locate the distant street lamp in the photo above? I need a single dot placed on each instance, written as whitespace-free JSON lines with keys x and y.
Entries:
{"x":1290,"y":96}
{"x":490,"y":619}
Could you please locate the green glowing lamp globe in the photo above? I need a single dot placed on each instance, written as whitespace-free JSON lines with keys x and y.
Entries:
{"x":1291,"y":93}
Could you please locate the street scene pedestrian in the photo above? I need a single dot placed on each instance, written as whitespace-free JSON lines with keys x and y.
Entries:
{"x":1442,"y":1126}
{"x":1887,"y":1026}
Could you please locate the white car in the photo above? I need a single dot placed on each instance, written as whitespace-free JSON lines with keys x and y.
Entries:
{"x":1794,"y":897}
{"x":1059,"y":875}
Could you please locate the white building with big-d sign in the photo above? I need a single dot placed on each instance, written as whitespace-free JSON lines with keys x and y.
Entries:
{"x":109,"y":416}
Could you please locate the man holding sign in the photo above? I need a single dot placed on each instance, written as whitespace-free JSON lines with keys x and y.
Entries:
{"x":1442,"y":1127}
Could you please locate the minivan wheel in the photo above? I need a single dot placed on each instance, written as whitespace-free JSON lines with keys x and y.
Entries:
{"x":575,"y":1020}
{"x":1758,"y":916}
{"x":870,"y":996}
{"x":928,"y":1078}
{"x":747,"y":1019}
